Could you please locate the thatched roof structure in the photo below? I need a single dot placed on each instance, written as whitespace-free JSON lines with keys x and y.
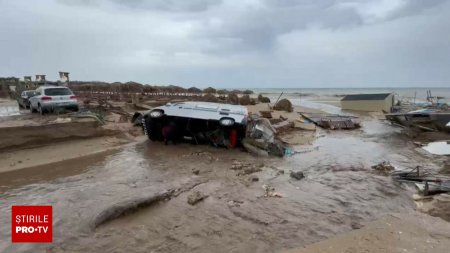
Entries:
{"x":209,"y":90}
{"x":194,"y":90}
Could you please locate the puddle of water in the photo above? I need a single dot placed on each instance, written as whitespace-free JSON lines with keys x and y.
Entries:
{"x":438,"y":148}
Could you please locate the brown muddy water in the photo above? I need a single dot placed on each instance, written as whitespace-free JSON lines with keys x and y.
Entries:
{"x":338,"y":194}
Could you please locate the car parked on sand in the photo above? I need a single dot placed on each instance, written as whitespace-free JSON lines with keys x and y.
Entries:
{"x":218,"y":124}
{"x":50,"y":98}
{"x":23,"y":100}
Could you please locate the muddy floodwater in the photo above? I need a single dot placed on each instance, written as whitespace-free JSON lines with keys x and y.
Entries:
{"x":339,"y":193}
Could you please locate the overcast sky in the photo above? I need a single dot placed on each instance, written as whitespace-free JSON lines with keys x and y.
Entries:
{"x":230,"y":43}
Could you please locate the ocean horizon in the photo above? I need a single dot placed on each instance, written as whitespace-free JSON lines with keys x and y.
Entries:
{"x":420,"y":93}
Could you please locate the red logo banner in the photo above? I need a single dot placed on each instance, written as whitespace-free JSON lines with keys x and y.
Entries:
{"x":31,"y":224}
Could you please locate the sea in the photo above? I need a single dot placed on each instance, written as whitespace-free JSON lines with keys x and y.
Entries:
{"x":411,"y":93}
{"x":327,"y":99}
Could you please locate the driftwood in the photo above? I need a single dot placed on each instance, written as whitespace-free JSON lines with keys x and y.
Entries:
{"x":129,"y":206}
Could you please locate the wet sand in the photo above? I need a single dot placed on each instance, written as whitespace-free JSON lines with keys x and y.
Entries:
{"x":57,"y":152}
{"x":412,"y":232}
{"x":339,"y":193}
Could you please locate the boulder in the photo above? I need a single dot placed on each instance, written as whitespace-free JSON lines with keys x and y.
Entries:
{"x":284,"y":105}
{"x":195,"y":197}
{"x":297,"y":175}
{"x":263,"y":99}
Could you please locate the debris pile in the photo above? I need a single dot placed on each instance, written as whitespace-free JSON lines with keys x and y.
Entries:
{"x":261,"y":137}
{"x":427,"y":182}
{"x":269,"y":191}
{"x":332,"y":121}
{"x":430,"y":120}
{"x":384,"y":168}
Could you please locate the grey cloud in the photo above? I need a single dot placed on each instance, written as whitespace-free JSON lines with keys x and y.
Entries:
{"x":258,"y":29}
{"x":414,"y":7}
{"x":229,"y":43}
{"x":161,"y":5}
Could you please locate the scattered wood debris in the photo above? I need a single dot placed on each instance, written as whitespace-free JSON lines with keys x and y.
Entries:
{"x":332,"y":121}
{"x":384,"y":168}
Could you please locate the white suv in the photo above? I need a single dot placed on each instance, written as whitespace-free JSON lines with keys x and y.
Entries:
{"x":49,"y":98}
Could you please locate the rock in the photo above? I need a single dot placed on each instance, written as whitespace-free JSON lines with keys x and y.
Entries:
{"x":253,"y":178}
{"x":263,"y":99}
{"x":297,"y":175}
{"x":196,"y":171}
{"x":284,"y":105}
{"x":195,"y":197}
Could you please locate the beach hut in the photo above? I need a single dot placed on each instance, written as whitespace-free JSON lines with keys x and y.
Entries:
{"x":368,"y":102}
